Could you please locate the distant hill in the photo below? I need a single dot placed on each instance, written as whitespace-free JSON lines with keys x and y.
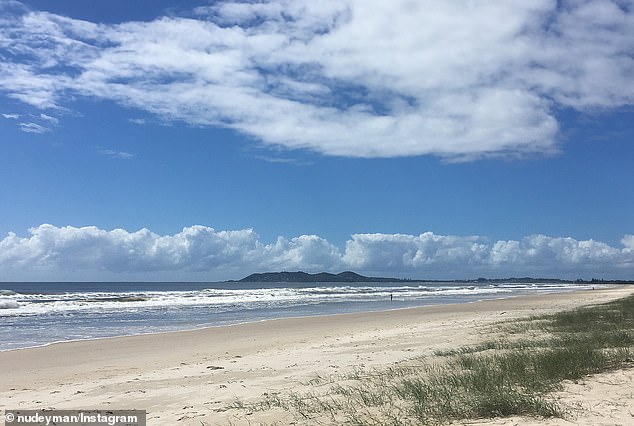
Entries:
{"x":322,"y":277}
{"x":352,"y":277}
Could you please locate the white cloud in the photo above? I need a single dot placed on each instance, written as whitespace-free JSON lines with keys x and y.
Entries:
{"x":29,"y":127}
{"x":362,"y":78}
{"x":11,"y":116}
{"x":628,"y":242}
{"x":49,"y":118}
{"x":121,"y":155}
{"x":196,"y":249}
{"x":398,"y":252}
{"x":280,"y":160}
{"x":309,"y":252}
{"x":201,"y":252}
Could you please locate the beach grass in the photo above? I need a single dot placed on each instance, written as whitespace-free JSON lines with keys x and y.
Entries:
{"x":516,"y":373}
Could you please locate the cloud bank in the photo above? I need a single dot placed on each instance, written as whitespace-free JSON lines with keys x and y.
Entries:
{"x":360,"y":78}
{"x":203,"y":253}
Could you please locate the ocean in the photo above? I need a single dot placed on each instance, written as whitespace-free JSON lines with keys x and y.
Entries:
{"x":36,"y":314}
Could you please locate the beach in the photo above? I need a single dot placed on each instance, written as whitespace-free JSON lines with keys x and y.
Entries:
{"x":196,"y":377}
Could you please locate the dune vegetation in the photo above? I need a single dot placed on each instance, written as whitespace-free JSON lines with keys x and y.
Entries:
{"x":517,"y":371}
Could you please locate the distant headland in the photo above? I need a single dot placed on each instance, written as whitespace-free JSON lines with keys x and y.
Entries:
{"x":321,"y":277}
{"x":353,"y":277}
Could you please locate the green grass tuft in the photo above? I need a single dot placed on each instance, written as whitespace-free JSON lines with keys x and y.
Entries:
{"x":513,"y":375}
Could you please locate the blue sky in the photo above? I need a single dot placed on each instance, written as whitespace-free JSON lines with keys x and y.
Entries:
{"x":209,"y":140}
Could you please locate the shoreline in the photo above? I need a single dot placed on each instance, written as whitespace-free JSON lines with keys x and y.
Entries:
{"x":203,"y":327}
{"x":205,"y":370}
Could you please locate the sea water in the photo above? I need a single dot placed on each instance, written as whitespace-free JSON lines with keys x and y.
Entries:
{"x":35,"y":314}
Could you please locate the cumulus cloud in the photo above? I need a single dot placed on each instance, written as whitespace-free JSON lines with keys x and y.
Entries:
{"x":200,"y":252}
{"x":197,"y":249}
{"x":628,"y":242}
{"x":409,"y":252}
{"x":309,"y":252}
{"x":362,"y":78}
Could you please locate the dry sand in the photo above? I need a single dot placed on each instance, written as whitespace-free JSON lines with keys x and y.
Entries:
{"x":191,"y":377}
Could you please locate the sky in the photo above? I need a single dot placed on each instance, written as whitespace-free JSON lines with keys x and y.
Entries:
{"x":201,"y":140}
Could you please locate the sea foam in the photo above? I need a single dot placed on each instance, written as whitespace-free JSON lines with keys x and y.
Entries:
{"x":8,"y":304}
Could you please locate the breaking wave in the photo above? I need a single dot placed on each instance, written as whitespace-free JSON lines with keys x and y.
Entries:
{"x":262,"y":298}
